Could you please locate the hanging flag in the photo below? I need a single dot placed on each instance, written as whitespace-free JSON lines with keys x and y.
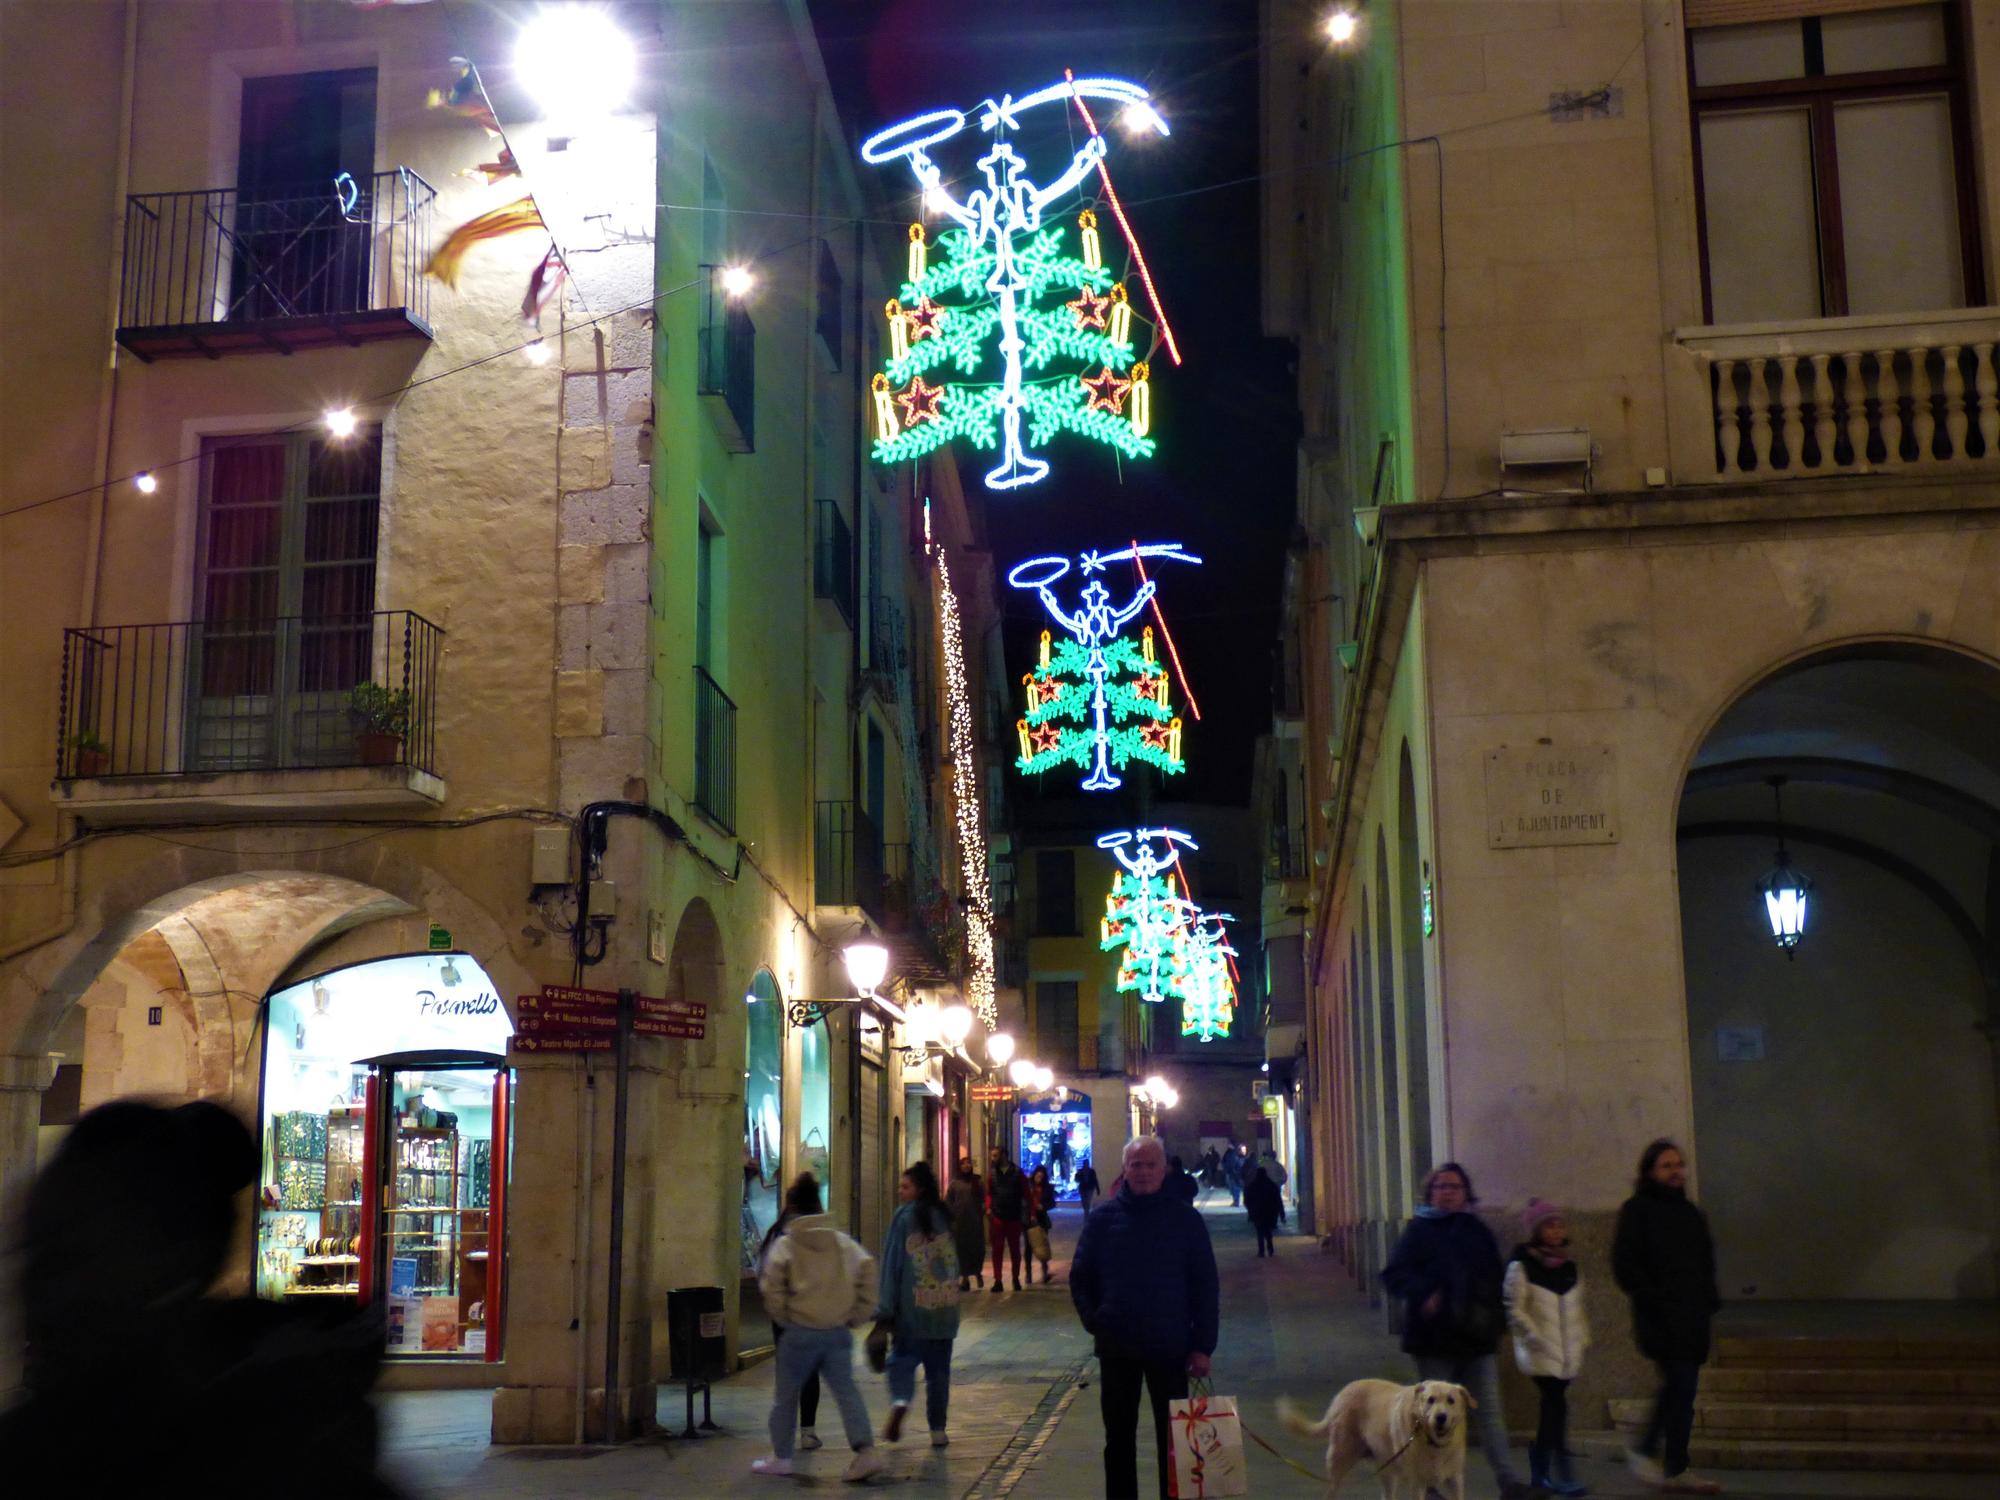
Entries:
{"x":466,"y":96}
{"x":550,"y":273}
{"x":516,"y":216}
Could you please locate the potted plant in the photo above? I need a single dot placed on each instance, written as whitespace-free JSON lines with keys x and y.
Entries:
{"x":381,"y":720}
{"x":91,"y":754}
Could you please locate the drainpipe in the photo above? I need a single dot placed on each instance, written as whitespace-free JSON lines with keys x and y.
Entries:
{"x":69,"y":878}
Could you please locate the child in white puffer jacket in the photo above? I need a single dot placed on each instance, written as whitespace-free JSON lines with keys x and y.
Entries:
{"x":1543,"y":1291}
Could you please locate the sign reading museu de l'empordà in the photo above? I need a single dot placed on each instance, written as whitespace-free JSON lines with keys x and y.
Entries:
{"x":1545,"y":793}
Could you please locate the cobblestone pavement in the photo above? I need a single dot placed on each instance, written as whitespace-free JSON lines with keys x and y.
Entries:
{"x":1024,"y":1409}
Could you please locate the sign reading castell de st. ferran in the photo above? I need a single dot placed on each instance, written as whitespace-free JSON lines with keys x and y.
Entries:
{"x":1543,"y":794}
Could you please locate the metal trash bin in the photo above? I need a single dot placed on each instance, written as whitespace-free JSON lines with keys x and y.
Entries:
{"x":697,"y":1333}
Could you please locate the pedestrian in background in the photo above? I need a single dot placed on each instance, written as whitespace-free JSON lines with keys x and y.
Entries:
{"x":1087,"y":1187}
{"x":919,"y":1297}
{"x":1446,"y":1269}
{"x":1006,"y":1204}
{"x":1181,"y":1182}
{"x":821,"y":1285}
{"x":1543,"y":1291}
{"x":967,"y":1201}
{"x":1664,"y":1260}
{"x":1232,"y":1174}
{"x":1266,"y":1206}
{"x":1143,"y":1281}
{"x":1041,"y":1198}
{"x":797,"y":1201}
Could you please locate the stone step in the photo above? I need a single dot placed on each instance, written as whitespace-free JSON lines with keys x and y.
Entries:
{"x":1762,"y":1350}
{"x":1707,"y":1453}
{"x":1958,"y":1422}
{"x":1852,"y":1382}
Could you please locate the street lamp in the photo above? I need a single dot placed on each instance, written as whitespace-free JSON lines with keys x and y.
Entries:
{"x":867,"y":966}
{"x":1786,"y":887}
{"x":999,"y":1047}
{"x":1022,"y":1072}
{"x":1341,"y":26}
{"x":1045,"y":1079}
{"x":954,"y":1025}
{"x":575,"y":61}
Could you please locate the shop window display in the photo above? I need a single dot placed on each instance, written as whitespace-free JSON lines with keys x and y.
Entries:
{"x":763,"y":1113}
{"x":816,"y":1105}
{"x":1056,"y":1134}
{"x":386,"y":1099}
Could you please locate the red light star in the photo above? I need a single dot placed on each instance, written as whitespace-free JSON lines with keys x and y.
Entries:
{"x":1154,"y":736}
{"x":924,"y":319}
{"x":1107,"y":392}
{"x":920,"y":402}
{"x":1091,"y":310}
{"x":1044,"y":737}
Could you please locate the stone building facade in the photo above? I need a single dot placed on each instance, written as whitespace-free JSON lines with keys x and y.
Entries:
{"x":1650,"y":457}
{"x":648,"y":629}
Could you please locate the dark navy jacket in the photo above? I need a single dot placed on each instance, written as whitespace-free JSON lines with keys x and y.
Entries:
{"x":1143,"y":1277}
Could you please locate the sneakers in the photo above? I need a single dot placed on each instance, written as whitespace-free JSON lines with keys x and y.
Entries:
{"x":809,"y":1440}
{"x":774,"y":1468}
{"x":867,"y":1463}
{"x":1646,"y":1470}
{"x":939,"y":1440}
{"x":893,"y":1432}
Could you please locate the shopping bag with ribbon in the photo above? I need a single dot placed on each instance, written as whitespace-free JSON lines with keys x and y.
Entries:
{"x":1206,"y":1454}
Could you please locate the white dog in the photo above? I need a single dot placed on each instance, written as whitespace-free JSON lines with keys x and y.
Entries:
{"x":1414,"y":1434}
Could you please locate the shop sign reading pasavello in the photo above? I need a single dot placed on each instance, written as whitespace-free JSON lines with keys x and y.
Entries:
{"x":1543,"y":794}
{"x":565,"y":1019}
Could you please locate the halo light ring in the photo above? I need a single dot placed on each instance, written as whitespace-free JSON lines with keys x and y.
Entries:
{"x":1052,"y":568}
{"x":874,"y":152}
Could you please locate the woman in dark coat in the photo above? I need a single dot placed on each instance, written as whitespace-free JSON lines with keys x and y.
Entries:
{"x":1266,"y":1207}
{"x":967,"y":1201}
{"x":1664,"y":1259}
{"x":1447,"y":1271}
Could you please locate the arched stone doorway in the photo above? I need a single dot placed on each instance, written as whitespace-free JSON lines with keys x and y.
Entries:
{"x":1844,"y":1096}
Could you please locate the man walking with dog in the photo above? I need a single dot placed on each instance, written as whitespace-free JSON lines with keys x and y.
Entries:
{"x":1144,"y":1283}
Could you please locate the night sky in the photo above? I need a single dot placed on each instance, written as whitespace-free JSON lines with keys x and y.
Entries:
{"x":1221,"y":482}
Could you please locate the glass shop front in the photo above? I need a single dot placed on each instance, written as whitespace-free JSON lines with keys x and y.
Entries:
{"x":386,"y":1135}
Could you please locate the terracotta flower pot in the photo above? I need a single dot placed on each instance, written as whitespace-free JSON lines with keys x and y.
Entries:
{"x":93,"y":762}
{"x":379,"y":749}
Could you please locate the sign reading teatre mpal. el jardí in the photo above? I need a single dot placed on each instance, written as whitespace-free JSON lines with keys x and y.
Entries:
{"x":1545,"y":794}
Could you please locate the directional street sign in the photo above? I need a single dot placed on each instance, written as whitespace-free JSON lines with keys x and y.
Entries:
{"x":992,"y":1093}
{"x":563,"y":1018}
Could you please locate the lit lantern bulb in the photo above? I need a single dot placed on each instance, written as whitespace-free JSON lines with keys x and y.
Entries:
{"x":737,"y":282}
{"x":144,"y":482}
{"x":1341,"y":26}
{"x":341,"y":421}
{"x":538,"y":353}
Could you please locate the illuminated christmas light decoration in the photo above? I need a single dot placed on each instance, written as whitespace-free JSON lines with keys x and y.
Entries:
{"x":1005,"y":287}
{"x":1146,"y":914}
{"x":1173,"y":651}
{"x":1208,"y":1000}
{"x":1098,"y":700}
{"x":976,"y":885}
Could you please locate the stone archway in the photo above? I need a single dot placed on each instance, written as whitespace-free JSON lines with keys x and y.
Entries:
{"x":1847,"y":1095}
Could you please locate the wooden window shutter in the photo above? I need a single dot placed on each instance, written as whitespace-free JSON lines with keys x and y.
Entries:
{"x":1744,"y":12}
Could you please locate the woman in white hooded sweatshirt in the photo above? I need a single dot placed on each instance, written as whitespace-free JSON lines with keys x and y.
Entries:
{"x":819,"y":1284}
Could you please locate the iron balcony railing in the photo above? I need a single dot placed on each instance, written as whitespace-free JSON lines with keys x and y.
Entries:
{"x":199,"y":264}
{"x":886,"y":635}
{"x":200,"y":697}
{"x":847,"y":858}
{"x":833,"y":558}
{"x":714,"y":751}
{"x":728,"y":363}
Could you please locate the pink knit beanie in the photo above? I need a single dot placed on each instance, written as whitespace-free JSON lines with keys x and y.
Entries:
{"x":1538,"y":1212}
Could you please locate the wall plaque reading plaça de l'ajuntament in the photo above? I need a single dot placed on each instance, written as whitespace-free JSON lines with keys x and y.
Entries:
{"x":1544,"y":794}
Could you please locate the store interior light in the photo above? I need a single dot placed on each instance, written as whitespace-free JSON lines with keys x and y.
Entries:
{"x":448,"y":974}
{"x":144,"y":482}
{"x":341,"y":421}
{"x":1341,"y":27}
{"x":737,"y":282}
{"x":575,"y":62}
{"x":867,"y":966}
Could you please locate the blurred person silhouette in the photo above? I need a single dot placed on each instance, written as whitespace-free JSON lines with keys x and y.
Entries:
{"x":135,"y":1376}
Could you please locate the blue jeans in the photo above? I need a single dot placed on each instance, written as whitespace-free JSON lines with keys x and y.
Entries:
{"x":828,"y":1353}
{"x":935,"y":1356}
{"x":1481,"y":1376}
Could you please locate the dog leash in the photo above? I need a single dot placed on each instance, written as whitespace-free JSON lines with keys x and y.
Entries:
{"x":1300,"y":1468}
